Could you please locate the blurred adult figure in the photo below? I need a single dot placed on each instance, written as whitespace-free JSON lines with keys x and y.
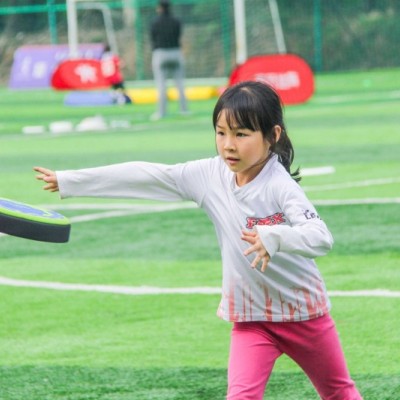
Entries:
{"x":167,"y":57}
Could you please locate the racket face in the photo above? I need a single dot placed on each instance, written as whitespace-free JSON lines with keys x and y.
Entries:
{"x":22,"y":210}
{"x":30,"y":222}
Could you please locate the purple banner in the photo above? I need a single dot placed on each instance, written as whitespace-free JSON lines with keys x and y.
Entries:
{"x":33,"y":66}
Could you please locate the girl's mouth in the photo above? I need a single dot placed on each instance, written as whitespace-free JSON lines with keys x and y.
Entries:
{"x":232,"y":160}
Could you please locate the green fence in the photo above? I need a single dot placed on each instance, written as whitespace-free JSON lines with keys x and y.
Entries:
{"x":331,"y":35}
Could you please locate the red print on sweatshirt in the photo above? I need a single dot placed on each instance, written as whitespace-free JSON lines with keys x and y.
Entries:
{"x":274,"y":219}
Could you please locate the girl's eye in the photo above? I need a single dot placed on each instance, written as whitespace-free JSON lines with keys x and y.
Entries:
{"x":220,"y":133}
{"x":241,"y":134}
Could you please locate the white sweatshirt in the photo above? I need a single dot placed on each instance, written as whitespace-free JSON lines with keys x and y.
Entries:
{"x":291,"y":288}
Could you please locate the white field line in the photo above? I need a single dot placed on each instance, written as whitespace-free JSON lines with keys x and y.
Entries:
{"x":317,"y":171}
{"x":140,"y":208}
{"x":126,"y":290}
{"x":348,"y":202}
{"x":346,"y":185}
{"x":394,"y":94}
{"x":134,"y":209}
{"x":152,"y":290}
{"x":364,"y":293}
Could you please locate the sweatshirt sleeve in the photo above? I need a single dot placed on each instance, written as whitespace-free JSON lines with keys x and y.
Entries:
{"x":140,"y":180}
{"x":304,"y":233}
{"x":136,"y":180}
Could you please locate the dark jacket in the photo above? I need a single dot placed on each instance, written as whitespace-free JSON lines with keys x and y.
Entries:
{"x":165,"y":32}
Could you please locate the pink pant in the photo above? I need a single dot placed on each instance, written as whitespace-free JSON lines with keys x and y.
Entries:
{"x":314,"y":345}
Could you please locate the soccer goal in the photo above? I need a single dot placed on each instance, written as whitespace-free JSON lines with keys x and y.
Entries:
{"x":217,"y":34}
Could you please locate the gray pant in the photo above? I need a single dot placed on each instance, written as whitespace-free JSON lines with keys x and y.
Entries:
{"x":169,"y":63}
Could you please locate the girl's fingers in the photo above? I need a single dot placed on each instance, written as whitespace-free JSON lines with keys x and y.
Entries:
{"x":256,"y":261}
{"x":48,"y":176}
{"x":257,"y":247}
{"x":264,"y":263}
{"x":250,"y":250}
{"x":44,"y":172}
{"x":249,"y":237}
{"x":248,"y":234}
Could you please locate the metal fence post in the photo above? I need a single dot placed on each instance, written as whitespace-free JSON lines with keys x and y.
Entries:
{"x":52,"y":18}
{"x":318,"y":62}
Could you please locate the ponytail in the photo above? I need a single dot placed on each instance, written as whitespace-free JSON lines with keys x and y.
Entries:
{"x":285,"y":152}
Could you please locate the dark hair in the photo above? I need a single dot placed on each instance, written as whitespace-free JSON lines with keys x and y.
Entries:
{"x":258,"y":107}
{"x":165,"y":6}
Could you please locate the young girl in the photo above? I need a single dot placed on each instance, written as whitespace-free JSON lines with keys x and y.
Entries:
{"x":268,"y":231}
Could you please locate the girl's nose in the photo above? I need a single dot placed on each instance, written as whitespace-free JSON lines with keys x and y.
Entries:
{"x":229,"y":143}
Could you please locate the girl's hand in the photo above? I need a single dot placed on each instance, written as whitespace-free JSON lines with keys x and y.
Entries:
{"x":48,"y":176}
{"x":256,"y":247}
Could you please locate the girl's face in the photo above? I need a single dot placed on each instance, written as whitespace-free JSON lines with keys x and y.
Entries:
{"x":244,"y":151}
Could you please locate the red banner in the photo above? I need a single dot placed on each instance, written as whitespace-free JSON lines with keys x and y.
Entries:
{"x":79,"y":74}
{"x":288,"y":74}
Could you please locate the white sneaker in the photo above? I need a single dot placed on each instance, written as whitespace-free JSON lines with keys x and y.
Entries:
{"x":155,"y":117}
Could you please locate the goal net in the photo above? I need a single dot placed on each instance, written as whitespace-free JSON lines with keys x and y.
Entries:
{"x":217,"y":34}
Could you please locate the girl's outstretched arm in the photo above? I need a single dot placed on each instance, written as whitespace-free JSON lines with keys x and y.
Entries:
{"x":48,"y":176}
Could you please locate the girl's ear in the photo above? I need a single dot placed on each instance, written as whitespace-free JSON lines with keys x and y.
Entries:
{"x":277,"y":132}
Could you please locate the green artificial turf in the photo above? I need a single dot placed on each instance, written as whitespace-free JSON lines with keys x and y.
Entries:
{"x":86,"y":344}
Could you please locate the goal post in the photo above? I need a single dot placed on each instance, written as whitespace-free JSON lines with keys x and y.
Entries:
{"x":240,"y":30}
{"x":72,"y":22}
{"x":276,"y":21}
{"x":241,"y":24}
